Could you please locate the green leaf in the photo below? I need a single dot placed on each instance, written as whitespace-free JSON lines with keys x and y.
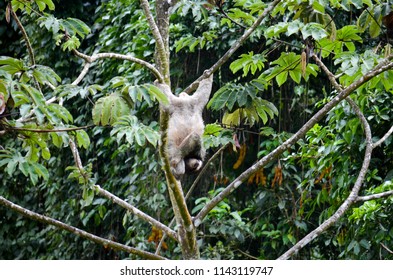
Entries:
{"x":318,"y":7}
{"x":157,"y":93}
{"x":276,"y":30}
{"x":213,"y":129}
{"x":281,"y":78}
{"x":248,"y":63}
{"x":224,"y":97}
{"x":43,"y":3}
{"x":71,"y":44}
{"x":36,"y":96}
{"x":40,"y":170}
{"x":375,"y":28}
{"x":11,"y":65}
{"x":151,"y":136}
{"x":236,"y":216}
{"x":50,"y":23}
{"x":20,"y":98}
{"x":74,"y":26}
{"x":24,"y":167}
{"x":264,"y":108}
{"x":349,"y":33}
{"x":11,"y":166}
{"x":56,"y":139}
{"x":57,"y":114}
{"x":109,"y":109}
{"x":314,"y":30}
{"x":83,"y":139}
{"x":130,"y":128}
{"x":45,"y":74}
{"x":294,"y":27}
{"x":296,"y":75}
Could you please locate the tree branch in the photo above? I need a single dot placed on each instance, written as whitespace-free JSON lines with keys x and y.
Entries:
{"x":383,"y":66}
{"x":380,"y":141}
{"x":85,"y":69}
{"x":386,"y":248}
{"x":234,"y":47}
{"x":202,"y":172}
{"x":194,"y":184}
{"x":172,"y":234}
{"x":160,"y":45}
{"x":121,"y":202}
{"x":352,"y":196}
{"x":91,"y":59}
{"x":22,"y":29}
{"x":373,"y":196}
{"x":330,"y":75}
{"x":99,"y":240}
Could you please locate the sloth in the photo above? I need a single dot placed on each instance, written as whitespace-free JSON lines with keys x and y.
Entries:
{"x":185,"y":128}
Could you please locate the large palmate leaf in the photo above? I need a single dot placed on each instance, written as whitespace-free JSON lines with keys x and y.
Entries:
{"x":147,"y":92}
{"x":109,"y":109}
{"x":134,"y":131}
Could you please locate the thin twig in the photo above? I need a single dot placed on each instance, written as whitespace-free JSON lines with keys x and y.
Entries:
{"x":24,"y":34}
{"x":330,"y":75}
{"x":386,"y":248}
{"x":202,"y":172}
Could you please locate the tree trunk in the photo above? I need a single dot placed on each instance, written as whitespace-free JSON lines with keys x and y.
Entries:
{"x":186,"y":228}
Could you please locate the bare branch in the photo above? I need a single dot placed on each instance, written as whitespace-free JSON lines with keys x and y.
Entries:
{"x":99,"y":240}
{"x":380,"y":68}
{"x":91,"y":59}
{"x":75,"y":154}
{"x":136,"y":212}
{"x":234,"y":47}
{"x":85,"y":69}
{"x":160,"y":45}
{"x":374,"y":196}
{"x":386,"y":248}
{"x":352,"y":196}
{"x":202,"y":172}
{"x":25,"y":37}
{"x":119,"y":201}
{"x":330,"y":75}
{"x":380,"y":141}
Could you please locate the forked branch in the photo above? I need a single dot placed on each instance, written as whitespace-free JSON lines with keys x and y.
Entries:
{"x":120,"y":202}
{"x":383,"y":66}
{"x":352,"y":196}
{"x":90,"y":59}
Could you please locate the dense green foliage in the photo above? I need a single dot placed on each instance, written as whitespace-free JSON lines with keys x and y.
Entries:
{"x":264,"y":94}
